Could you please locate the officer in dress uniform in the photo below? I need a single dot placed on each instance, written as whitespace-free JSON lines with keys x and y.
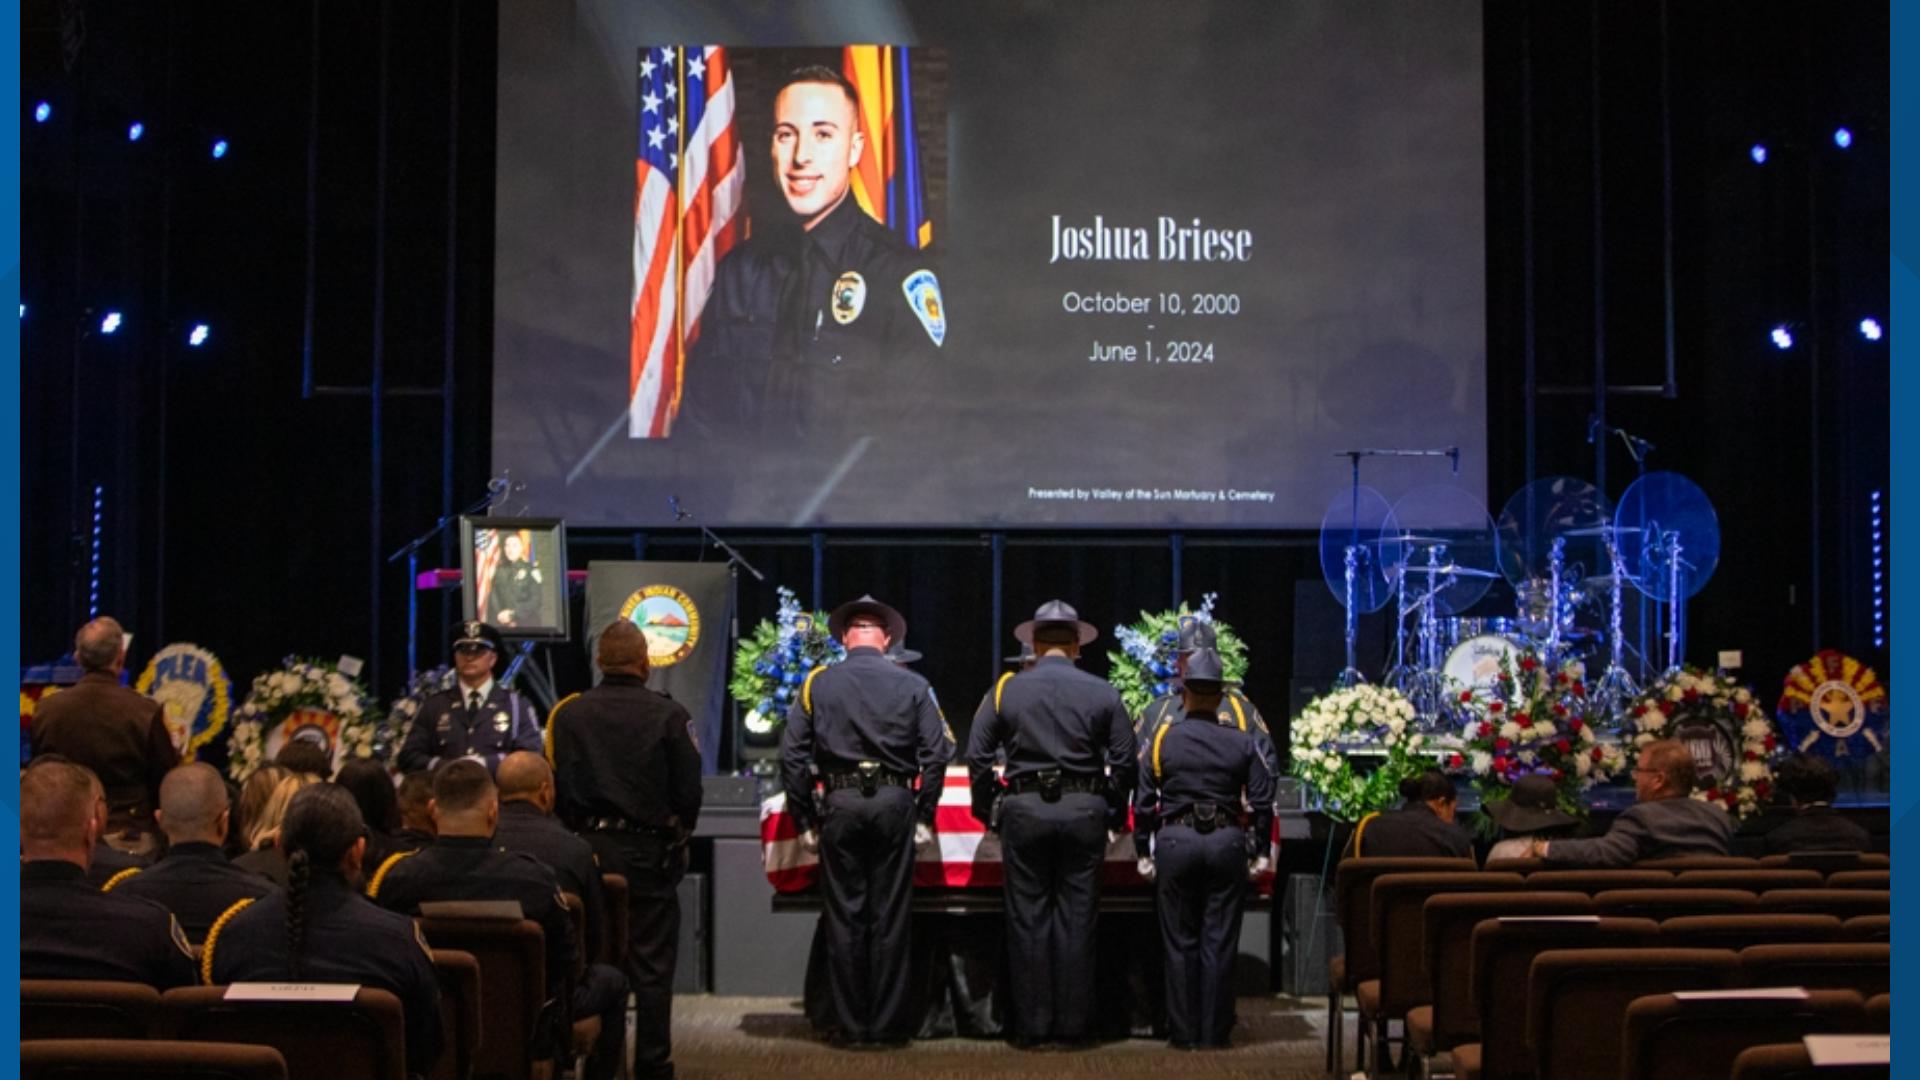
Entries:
{"x":476,"y":717}
{"x":1069,"y":772}
{"x":68,"y":928}
{"x":628,"y":770}
{"x":517,"y":595}
{"x":868,"y":726}
{"x":320,"y":929}
{"x":1190,"y":838}
{"x":1235,"y":710}
{"x":823,"y":313}
{"x":193,"y":879}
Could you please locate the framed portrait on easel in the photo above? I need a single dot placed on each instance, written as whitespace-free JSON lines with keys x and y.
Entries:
{"x":514,"y":575}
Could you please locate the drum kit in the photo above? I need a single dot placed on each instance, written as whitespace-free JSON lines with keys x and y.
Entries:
{"x":1572,"y":559}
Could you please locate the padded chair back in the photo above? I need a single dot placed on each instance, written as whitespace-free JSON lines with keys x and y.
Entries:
{"x":1522,"y":866}
{"x":1740,"y":931}
{"x":1399,"y":928}
{"x":1578,"y":1000}
{"x":1841,"y":965}
{"x":1880,"y":1012}
{"x":148,"y":1059}
{"x":1503,"y":953}
{"x":1670,"y":1039}
{"x":1352,"y":899}
{"x":513,"y":979}
{"x":1846,"y":903}
{"x":1789,"y":1061}
{"x":1752,"y":879}
{"x":1829,"y":861}
{"x":1448,"y":941}
{"x":1867,"y":928}
{"x":613,"y":949}
{"x":1861,"y":879}
{"x":1593,"y":881}
{"x":87,"y":1009}
{"x":1677,"y":863}
{"x":459,"y":976}
{"x":1662,"y":904}
{"x":319,"y":1040}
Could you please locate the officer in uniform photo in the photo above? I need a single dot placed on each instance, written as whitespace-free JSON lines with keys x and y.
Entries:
{"x":1069,"y":773}
{"x":517,"y":594}
{"x":476,"y":717}
{"x":1191,"y":840}
{"x":868,"y":727}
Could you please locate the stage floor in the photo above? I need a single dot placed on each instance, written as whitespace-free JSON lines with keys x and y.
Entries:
{"x":716,"y":1037}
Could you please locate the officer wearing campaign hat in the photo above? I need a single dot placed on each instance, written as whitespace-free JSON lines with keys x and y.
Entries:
{"x":1069,"y":769}
{"x":866,"y":727}
{"x":476,"y":717}
{"x":1195,"y":841}
{"x":1235,"y":710}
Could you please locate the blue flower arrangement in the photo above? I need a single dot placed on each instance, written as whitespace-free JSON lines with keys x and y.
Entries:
{"x":771,"y":663}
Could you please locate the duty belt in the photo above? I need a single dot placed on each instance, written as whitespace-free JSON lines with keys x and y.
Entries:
{"x":869,"y":777}
{"x":1052,"y":783}
{"x":1203,"y":817}
{"x":623,"y":825}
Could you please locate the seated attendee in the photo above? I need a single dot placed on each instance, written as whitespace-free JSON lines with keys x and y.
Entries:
{"x":1663,"y":821}
{"x":264,"y":855}
{"x":251,"y":802}
{"x":371,"y":786}
{"x":1809,"y":783}
{"x":415,"y":795}
{"x":462,"y":863}
{"x":1531,"y":811}
{"x":320,"y":929}
{"x":1422,"y":826}
{"x":108,"y":861}
{"x":68,"y":928}
{"x":193,"y":879}
{"x":301,"y":756}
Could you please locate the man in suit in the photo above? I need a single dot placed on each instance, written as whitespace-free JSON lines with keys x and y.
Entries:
{"x":1663,"y":821}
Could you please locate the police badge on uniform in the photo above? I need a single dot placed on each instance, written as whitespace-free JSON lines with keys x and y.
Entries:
{"x":849,"y":297}
{"x":923,"y":295}
{"x":501,"y":722}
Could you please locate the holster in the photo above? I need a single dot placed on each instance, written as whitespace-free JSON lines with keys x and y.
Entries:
{"x":869,"y":772}
{"x":1206,"y":817}
{"x":993,"y":813}
{"x":1049,"y":780}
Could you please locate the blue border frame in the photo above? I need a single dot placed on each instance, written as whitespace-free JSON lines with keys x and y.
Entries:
{"x":1904,"y":286}
{"x":10,"y":485}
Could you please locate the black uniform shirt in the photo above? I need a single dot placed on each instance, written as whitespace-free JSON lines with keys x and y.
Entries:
{"x":69,"y":929}
{"x":195,"y":882}
{"x":1052,"y":716}
{"x":472,"y":868}
{"x":1201,"y":761}
{"x":446,"y":729}
{"x":1236,"y":711}
{"x":109,"y":861}
{"x":865,"y":708}
{"x":526,"y":828}
{"x":1413,"y":831}
{"x":1817,"y":828}
{"x":348,"y":940}
{"x":622,"y":751}
{"x":518,"y":589}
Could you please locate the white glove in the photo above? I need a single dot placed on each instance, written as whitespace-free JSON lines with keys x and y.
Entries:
{"x":1111,"y":837}
{"x":1259,"y":866}
{"x":1145,"y":866}
{"x":922,"y":834}
{"x":810,"y":841}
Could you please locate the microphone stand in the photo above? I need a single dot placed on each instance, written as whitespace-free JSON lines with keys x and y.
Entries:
{"x":735,"y":563}
{"x":410,"y":551}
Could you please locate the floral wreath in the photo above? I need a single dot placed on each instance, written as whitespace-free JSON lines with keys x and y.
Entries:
{"x":214,"y":699}
{"x":1534,"y":720}
{"x":770,"y":664}
{"x":1327,"y":734}
{"x":1694,"y":699}
{"x":400,"y":715}
{"x":301,"y":686}
{"x":1143,"y":669}
{"x":1833,"y":705}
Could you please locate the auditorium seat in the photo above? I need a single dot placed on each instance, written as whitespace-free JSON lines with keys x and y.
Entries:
{"x":87,"y":1009}
{"x":148,"y":1059}
{"x":1861,"y":879}
{"x":1503,"y":954}
{"x":1867,"y":928}
{"x":1521,"y":866}
{"x":1752,"y":879}
{"x":1740,"y":931}
{"x":1828,"y":862}
{"x":459,"y":976}
{"x":1789,"y":1061}
{"x":613,"y":950}
{"x":577,"y":922}
{"x":1593,"y":881}
{"x":1577,"y":1000}
{"x":1667,"y":1038}
{"x":1839,"y":965}
{"x":1880,"y":1011}
{"x":1450,"y":918}
{"x":363,"y":1038}
{"x":1667,"y":903}
{"x":1846,"y":903}
{"x":1677,"y":863}
{"x":1358,"y":962}
{"x":513,"y":978}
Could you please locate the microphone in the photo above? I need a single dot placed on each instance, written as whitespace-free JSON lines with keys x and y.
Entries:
{"x":1593,"y":428}
{"x":680,"y":513}
{"x":1453,"y":454}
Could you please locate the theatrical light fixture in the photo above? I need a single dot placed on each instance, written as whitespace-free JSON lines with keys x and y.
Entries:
{"x":1842,"y":138}
{"x":1871,"y":329}
{"x":219,"y":148}
{"x":199,"y":334}
{"x":1782,"y":337}
{"x":23,"y":309}
{"x":136,"y":130}
{"x":111,"y":323}
{"x":99,"y":532}
{"x":42,"y":113}
{"x":1879,"y":574}
{"x":1758,"y":153}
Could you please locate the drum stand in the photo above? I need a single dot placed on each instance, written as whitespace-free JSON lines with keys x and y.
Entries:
{"x":1616,"y":687}
{"x":1350,"y":676}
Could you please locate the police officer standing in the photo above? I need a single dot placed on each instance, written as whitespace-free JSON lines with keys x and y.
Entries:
{"x":1235,"y":710}
{"x":628,"y":771}
{"x":1069,"y":770}
{"x":1189,"y":835}
{"x":476,"y":717}
{"x":868,"y":726}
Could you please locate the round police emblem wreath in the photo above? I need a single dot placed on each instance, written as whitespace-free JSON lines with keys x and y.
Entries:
{"x":1834,"y":705}
{"x":669,"y":620}
{"x":196,"y":693}
{"x":1720,"y":724}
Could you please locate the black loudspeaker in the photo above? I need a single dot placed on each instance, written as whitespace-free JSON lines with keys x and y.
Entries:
{"x":690,"y":969}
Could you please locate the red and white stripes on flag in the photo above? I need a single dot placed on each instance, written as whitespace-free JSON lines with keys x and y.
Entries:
{"x":689,"y":186}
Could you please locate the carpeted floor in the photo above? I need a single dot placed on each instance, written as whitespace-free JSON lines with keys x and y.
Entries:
{"x":768,"y":1038}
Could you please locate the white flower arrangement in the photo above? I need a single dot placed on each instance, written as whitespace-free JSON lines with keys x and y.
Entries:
{"x":1363,"y":721}
{"x":1694,"y":695}
{"x":300,"y":685}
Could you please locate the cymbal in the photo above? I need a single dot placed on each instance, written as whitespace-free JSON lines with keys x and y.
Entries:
{"x":1453,"y":569}
{"x":1407,"y":538}
{"x":1608,"y":581}
{"x":1601,"y":530}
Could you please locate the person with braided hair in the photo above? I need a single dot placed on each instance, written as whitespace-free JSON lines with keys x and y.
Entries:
{"x":320,"y":929}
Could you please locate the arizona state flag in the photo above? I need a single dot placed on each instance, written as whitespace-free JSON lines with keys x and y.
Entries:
{"x":684,"y":609}
{"x":889,"y":182}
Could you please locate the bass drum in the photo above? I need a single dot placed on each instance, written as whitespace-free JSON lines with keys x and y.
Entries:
{"x":1474,"y":664}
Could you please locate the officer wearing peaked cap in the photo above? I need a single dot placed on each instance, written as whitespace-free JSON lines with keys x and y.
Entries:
{"x":1192,"y":839}
{"x":476,"y":717}
{"x":1235,"y":710}
{"x":868,"y":726}
{"x":1069,"y":768}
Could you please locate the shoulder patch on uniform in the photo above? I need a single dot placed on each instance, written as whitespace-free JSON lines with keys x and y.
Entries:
{"x":1000,"y":688}
{"x":116,"y":879}
{"x":213,"y":936}
{"x":380,"y":875}
{"x":420,"y":939}
{"x":923,"y":296}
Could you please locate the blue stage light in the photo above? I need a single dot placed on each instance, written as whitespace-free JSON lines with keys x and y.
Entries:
{"x":23,"y":309}
{"x":1871,"y":329}
{"x":111,"y":323}
{"x":1782,"y":337}
{"x":198,"y":336}
{"x":136,"y":130}
{"x":1758,"y":153}
{"x":42,"y":113}
{"x":1842,"y":138}
{"x":219,"y":149}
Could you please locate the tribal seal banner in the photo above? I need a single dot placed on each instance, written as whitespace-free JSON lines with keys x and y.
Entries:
{"x":1834,"y":705}
{"x":190,"y":684}
{"x":684,"y":609}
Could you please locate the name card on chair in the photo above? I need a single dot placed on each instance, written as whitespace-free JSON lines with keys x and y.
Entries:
{"x":1826,"y":1050}
{"x":1745,"y":993}
{"x":259,"y":991}
{"x":509,"y":910}
{"x":1588,"y":919}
